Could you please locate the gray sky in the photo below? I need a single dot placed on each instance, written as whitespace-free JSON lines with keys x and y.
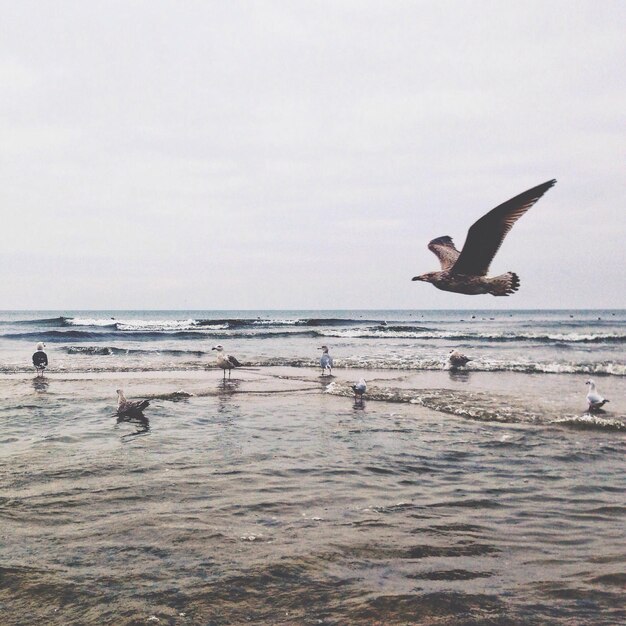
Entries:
{"x":301,"y":154}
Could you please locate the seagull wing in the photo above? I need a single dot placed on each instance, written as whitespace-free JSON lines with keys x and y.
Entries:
{"x":445,"y":251}
{"x":233,"y":361}
{"x":486,"y":235}
{"x":132,"y":406}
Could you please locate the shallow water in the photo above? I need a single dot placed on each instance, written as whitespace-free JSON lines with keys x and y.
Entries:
{"x":474,"y":497}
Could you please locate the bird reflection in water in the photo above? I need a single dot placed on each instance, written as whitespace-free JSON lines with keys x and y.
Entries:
{"x":359,"y":404}
{"x":459,"y":376}
{"x":227,"y":387}
{"x":139,"y":420}
{"x":40,"y":384}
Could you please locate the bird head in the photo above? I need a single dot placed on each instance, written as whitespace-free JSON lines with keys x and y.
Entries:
{"x":41,"y":345}
{"x":427,"y":278}
{"x":590,"y":383}
{"x":323,"y":348}
{"x":219,"y":347}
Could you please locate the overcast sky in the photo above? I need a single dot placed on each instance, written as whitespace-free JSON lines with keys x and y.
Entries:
{"x":301,"y":154}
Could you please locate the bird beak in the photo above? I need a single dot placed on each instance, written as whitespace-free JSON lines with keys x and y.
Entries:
{"x":417,"y":278}
{"x":213,"y":348}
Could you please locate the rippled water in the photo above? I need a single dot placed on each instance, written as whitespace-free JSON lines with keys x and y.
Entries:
{"x":479,"y":497}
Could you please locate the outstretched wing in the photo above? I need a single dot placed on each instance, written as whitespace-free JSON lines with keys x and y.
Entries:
{"x":486,"y":235}
{"x":445,"y":251}
{"x":233,"y":361}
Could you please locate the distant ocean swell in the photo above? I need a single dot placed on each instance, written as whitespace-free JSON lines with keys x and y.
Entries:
{"x":188,"y":324}
{"x":138,"y":333}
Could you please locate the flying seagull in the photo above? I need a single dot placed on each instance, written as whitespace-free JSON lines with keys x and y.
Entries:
{"x":457,"y":359}
{"x":359,"y":389}
{"x":129,"y":407}
{"x":466,"y":271}
{"x":225,"y":361}
{"x":595,"y":400}
{"x":326,"y":362}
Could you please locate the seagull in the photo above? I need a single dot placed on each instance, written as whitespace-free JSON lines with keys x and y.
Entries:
{"x":225,"y":361}
{"x":359,"y":389}
{"x":40,"y":359}
{"x":326,"y":362}
{"x":595,"y":400}
{"x":457,"y":359}
{"x":466,"y":271}
{"x":129,"y":407}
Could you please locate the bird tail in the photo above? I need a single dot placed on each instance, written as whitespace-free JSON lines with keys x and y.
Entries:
{"x":143,"y":405}
{"x":504,"y":285}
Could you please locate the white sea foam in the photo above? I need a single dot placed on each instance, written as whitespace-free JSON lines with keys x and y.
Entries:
{"x":88,"y":321}
{"x":373,"y":333}
{"x":155,"y":325}
{"x":591,"y":421}
{"x":276,"y":322}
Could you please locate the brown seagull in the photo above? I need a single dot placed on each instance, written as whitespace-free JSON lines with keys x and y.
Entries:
{"x":466,"y":271}
{"x":129,"y":407}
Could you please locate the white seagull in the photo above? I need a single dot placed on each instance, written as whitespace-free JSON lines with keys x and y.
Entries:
{"x":129,"y":407}
{"x":595,"y":400}
{"x":359,"y":389}
{"x":225,"y":361}
{"x":326,"y":362}
{"x":457,"y":359}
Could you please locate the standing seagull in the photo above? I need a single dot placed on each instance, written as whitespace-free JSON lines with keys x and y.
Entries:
{"x":129,"y":407}
{"x":359,"y":389}
{"x":466,"y":271}
{"x":225,"y":361}
{"x":457,"y":359}
{"x":595,"y":400}
{"x":326,"y":362}
{"x":40,"y":359}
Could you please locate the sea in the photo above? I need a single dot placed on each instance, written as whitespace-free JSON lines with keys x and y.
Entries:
{"x":482,"y":495}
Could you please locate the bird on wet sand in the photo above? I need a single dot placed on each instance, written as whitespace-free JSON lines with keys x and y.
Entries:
{"x":457,"y":359}
{"x":359,"y":389}
{"x":326,"y":362}
{"x":594,"y":399}
{"x":225,"y":361}
{"x":466,"y":271}
{"x":129,"y":407}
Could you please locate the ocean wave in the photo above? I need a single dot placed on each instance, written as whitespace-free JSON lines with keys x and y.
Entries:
{"x":219,"y":323}
{"x":337,"y":328}
{"x":400,"y":332}
{"x":335,"y":321}
{"x":50,"y":321}
{"x":60,"y":336}
{"x":182,"y":330}
{"x":113,"y":350}
{"x":606,"y":368}
{"x":479,"y":406}
{"x":590,"y":422}
{"x":54,"y":336}
{"x":88,"y":321}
